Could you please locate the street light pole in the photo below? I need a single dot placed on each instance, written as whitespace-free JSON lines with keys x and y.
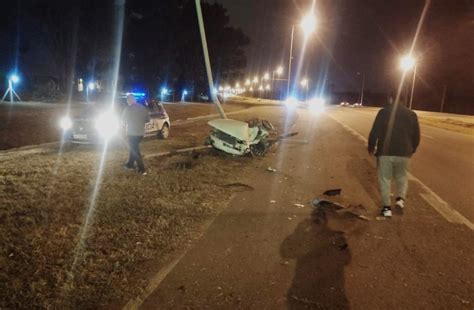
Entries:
{"x":362,"y":90}
{"x":413,"y":87}
{"x":207,"y":60}
{"x":291,"y":57}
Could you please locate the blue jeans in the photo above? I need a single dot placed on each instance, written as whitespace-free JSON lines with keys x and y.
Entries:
{"x":135,"y":155}
{"x":392,"y":167}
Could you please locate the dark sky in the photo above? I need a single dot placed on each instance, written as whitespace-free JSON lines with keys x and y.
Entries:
{"x":353,"y":36}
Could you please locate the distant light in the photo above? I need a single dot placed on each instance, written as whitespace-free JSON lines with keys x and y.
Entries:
{"x":164,"y":91}
{"x":279,"y":70}
{"x":260,"y":88}
{"x":65,"y":123}
{"x":266,"y":76}
{"x":407,"y":62}
{"x":304,"y":82}
{"x":91,"y":85}
{"x":185,"y":92}
{"x":247,"y":82}
{"x":221,"y":88}
{"x":267,"y":87}
{"x":14,"y":78}
{"x":255,"y":79}
{"x":317,"y":104}
{"x":251,"y":89}
{"x":291,"y":101}
{"x":237,"y":85}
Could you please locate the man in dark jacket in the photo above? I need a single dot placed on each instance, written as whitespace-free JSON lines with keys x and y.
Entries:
{"x":394,"y":138}
{"x":135,"y":116}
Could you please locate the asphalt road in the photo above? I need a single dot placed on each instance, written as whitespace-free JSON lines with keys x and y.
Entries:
{"x":444,"y":160}
{"x":270,"y":249}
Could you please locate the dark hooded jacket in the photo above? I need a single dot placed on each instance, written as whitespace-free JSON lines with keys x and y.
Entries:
{"x":395,"y":132}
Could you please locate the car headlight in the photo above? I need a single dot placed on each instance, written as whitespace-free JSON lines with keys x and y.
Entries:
{"x":65,"y":123}
{"x":107,"y":124}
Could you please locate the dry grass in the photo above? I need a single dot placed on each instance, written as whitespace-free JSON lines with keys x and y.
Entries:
{"x":449,"y":124}
{"x":137,"y":221}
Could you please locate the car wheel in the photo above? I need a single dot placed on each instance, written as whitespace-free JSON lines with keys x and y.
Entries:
{"x":164,"y":132}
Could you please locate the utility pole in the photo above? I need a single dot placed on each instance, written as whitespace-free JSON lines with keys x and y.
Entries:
{"x":443,"y":98}
{"x":413,"y":87}
{"x":207,"y":60}
{"x":291,"y":58}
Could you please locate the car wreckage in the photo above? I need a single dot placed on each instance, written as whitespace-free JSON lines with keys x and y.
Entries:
{"x":241,"y":138}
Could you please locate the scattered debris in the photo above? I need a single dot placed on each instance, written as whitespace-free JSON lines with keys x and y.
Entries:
{"x":271,"y":169}
{"x":380,"y":218}
{"x":299,"y":205}
{"x":333,"y":192}
{"x":290,"y":219}
{"x":272,"y":201}
{"x":326,"y":203}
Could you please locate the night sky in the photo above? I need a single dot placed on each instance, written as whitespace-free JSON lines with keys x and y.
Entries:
{"x":365,"y":36}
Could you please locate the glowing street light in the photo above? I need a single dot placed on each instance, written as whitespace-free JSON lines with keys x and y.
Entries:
{"x":266,"y":76}
{"x":304,"y":82}
{"x":247,"y":82}
{"x":268,"y":87}
{"x":237,"y":85}
{"x":12,"y":79}
{"x":408,"y":63}
{"x":255,"y":79}
{"x":308,"y":24}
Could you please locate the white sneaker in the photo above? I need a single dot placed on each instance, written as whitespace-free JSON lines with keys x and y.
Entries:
{"x":400,"y":203}
{"x":387,"y":212}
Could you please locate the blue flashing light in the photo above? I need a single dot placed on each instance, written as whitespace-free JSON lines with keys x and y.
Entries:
{"x":91,"y":85}
{"x":14,"y":78}
{"x":164,"y":91}
{"x":137,"y":95}
{"x":185,"y":92}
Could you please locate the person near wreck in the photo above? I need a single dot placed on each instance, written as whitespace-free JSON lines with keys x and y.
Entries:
{"x":394,"y":138}
{"x":135,"y":116}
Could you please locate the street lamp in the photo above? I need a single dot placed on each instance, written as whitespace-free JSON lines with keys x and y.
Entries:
{"x":305,"y":84}
{"x":278,"y":71}
{"x":408,"y":63}
{"x":308,"y":24}
{"x":12,"y":79}
{"x":362,"y":88}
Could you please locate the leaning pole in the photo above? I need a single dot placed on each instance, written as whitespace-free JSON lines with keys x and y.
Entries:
{"x":207,"y":60}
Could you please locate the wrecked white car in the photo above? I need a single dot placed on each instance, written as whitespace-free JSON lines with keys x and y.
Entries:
{"x":241,"y":138}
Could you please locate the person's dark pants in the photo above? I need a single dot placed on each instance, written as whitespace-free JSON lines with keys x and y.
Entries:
{"x":135,"y":155}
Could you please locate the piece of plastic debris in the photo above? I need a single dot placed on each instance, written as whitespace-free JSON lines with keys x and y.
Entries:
{"x":380,"y":218}
{"x":271,"y":169}
{"x":290,"y":219}
{"x":363,"y":217}
{"x":272,"y":201}
{"x":332,"y":192}
{"x":326,"y":203}
{"x":299,"y":205}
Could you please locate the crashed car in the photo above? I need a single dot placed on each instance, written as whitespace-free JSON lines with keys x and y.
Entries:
{"x":101,"y":122}
{"x":241,"y":138}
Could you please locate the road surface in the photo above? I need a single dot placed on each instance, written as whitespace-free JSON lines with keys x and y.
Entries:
{"x":270,"y":249}
{"x":444,"y":160}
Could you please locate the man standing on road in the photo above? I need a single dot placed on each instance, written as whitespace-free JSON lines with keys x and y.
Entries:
{"x":135,"y":116}
{"x":396,"y":134}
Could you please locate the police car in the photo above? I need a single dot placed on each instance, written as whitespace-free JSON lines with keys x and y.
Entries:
{"x":101,"y":121}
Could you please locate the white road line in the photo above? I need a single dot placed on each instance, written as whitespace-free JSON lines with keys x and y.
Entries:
{"x":426,"y":136}
{"x":429,"y":195}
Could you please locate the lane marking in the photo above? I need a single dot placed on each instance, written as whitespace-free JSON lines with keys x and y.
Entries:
{"x":435,"y":201}
{"x":426,"y":136}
